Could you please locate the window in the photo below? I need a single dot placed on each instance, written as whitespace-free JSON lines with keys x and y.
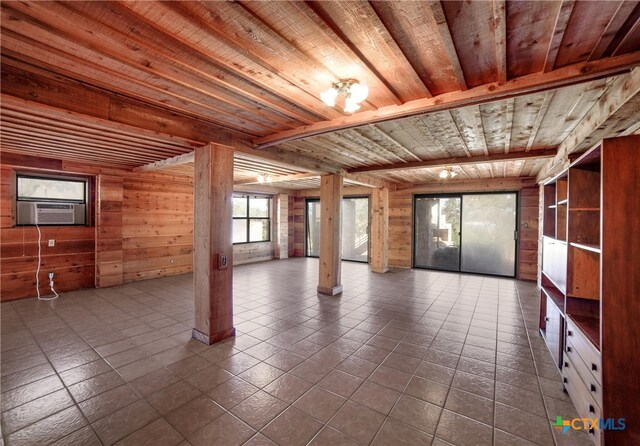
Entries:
{"x":50,"y":200}
{"x":51,"y":189}
{"x":251,"y":219}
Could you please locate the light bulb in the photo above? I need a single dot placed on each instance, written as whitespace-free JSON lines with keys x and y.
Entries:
{"x":329,"y":96}
{"x":444,"y":174}
{"x":269,"y":179}
{"x":359,"y":92}
{"x":452,"y":174}
{"x":260,"y":179}
{"x":350,"y":105}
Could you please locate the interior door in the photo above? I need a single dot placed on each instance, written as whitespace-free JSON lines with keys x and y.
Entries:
{"x":312,"y":244}
{"x":488,"y":234}
{"x":355,"y":229}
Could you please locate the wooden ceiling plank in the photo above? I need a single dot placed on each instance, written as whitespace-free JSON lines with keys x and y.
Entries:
{"x":625,"y":8}
{"x":445,"y":35}
{"x":418,"y":129}
{"x":168,"y":163}
{"x":500,"y":30}
{"x":562,"y":20}
{"x":338,"y":141}
{"x":361,"y":29}
{"x":325,"y":152}
{"x":510,"y":105}
{"x":21,"y":149}
{"x":377,"y":132}
{"x":529,"y":84}
{"x":542,"y":111}
{"x":629,"y":33}
{"x":363,"y":141}
{"x":36,"y":129}
{"x":457,"y":161}
{"x":195,"y":33}
{"x":279,"y":179}
{"x":443,"y":125}
{"x":468,"y":121}
{"x":623,"y":90}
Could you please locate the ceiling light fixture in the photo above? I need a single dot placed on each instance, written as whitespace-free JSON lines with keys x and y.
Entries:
{"x":354,"y":93}
{"x":264,"y":179}
{"x":447,"y":173}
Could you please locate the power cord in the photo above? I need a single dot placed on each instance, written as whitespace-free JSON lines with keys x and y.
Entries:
{"x":38,"y":271}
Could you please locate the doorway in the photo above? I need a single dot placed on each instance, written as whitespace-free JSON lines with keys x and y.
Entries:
{"x":473,"y":233}
{"x":355,"y":228}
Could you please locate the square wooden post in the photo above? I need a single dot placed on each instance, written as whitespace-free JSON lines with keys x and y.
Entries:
{"x":380,"y":230}
{"x":213,"y":243}
{"x":281,"y":226}
{"x":330,"y":235}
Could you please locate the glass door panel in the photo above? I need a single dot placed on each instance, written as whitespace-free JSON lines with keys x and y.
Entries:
{"x":312,"y":244}
{"x":437,"y":233}
{"x":488,"y":234}
{"x":355,"y":229}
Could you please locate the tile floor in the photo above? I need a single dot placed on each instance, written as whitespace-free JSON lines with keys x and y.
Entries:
{"x":405,"y":358}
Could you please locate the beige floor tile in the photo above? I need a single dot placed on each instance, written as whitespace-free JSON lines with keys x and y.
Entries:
{"x":259,"y":440}
{"x":357,"y":367}
{"x":259,"y":409}
{"x":83,"y":437}
{"x":288,"y":388}
{"x":435,"y":372}
{"x":22,"y":416}
{"x":331,"y":437}
{"x":389,"y":377}
{"x":29,"y":392}
{"x":238,"y":363}
{"x":521,"y":398}
{"x":395,"y":433}
{"x":427,"y":390}
{"x":474,"y":384}
{"x":417,"y":413}
{"x":157,"y":433}
{"x":376,"y":397}
{"x":208,"y":378}
{"x":261,"y":375}
{"x":320,"y":403}
{"x":470,"y":405}
{"x":292,"y":427}
{"x":124,"y":422}
{"x":108,"y":402}
{"x":49,"y":429}
{"x":232,"y":392}
{"x":357,"y":422}
{"x":194,"y":415}
{"x":226,"y":430}
{"x":154,"y":381}
{"x":171,"y":397}
{"x":340,"y":383}
{"x":311,"y":371}
{"x":463,"y":431}
{"x":523,"y":424}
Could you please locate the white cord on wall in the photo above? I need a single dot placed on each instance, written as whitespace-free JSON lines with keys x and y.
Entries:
{"x":38,"y":271}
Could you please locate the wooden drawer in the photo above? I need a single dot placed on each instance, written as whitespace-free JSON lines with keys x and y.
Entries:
{"x":585,"y":405}
{"x":585,"y":349}
{"x":584,"y":372}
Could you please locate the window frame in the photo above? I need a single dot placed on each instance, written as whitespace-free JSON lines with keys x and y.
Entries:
{"x":248,"y":218}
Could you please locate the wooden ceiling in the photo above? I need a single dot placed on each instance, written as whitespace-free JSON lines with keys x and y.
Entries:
{"x":448,"y":80}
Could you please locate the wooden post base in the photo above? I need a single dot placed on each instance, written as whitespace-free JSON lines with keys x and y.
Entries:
{"x":212,"y":339}
{"x":379,"y":270}
{"x":330,"y":291}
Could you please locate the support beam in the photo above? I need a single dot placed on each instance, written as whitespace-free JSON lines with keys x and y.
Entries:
{"x":213,"y":243}
{"x":366,"y":180}
{"x":458,"y":161}
{"x":278,"y":179}
{"x":168,"y":163}
{"x":524,"y":85}
{"x":379,"y":242}
{"x":329,"y":281}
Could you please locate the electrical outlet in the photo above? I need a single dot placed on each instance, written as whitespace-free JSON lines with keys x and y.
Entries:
{"x":52,"y":243}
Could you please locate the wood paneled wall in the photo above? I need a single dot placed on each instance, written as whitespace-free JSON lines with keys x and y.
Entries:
{"x":401,"y":220}
{"x":298,"y":226}
{"x":109,"y":255}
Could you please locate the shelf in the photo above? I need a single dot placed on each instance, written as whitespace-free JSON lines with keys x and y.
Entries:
{"x":585,"y":209}
{"x":555,"y":239}
{"x":556,"y":296}
{"x":586,"y":247}
{"x":553,"y":206}
{"x":590,"y":326}
{"x":565,"y":201}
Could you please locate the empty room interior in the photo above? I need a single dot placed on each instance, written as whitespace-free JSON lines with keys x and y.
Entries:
{"x":322,"y":223}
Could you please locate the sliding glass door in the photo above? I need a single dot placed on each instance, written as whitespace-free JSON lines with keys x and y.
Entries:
{"x":437,"y":232}
{"x":466,"y":232}
{"x":355,"y":228}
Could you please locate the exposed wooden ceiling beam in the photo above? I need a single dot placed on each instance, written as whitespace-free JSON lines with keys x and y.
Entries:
{"x":169,"y":162}
{"x":447,"y":41}
{"x":457,"y":161}
{"x":562,"y":19}
{"x":362,"y":179}
{"x":277,"y":179}
{"x":625,"y":8}
{"x":533,"y":83}
{"x":479,"y":184}
{"x":500,"y":25}
{"x":621,"y":91}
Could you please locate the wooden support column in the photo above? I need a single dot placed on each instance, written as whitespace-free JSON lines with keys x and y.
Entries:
{"x":281,"y":230}
{"x":213,"y":243}
{"x":109,"y":253}
{"x":330,"y":235}
{"x":380,"y":230}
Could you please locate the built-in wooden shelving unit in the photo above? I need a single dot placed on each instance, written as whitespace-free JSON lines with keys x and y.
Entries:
{"x":590,"y":279}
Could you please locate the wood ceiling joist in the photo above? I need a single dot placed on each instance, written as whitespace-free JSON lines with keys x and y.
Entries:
{"x":456,"y":161}
{"x":280,"y":178}
{"x":562,"y":20}
{"x":500,"y":30}
{"x":360,"y":27}
{"x":380,"y":137}
{"x":529,"y":84}
{"x":542,"y":111}
{"x":618,"y":19}
{"x":445,"y":35}
{"x":468,"y":121}
{"x":325,"y":152}
{"x":369,"y":145}
{"x":335,"y":143}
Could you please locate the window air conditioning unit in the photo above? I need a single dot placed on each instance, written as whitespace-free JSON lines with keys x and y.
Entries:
{"x":35,"y":213}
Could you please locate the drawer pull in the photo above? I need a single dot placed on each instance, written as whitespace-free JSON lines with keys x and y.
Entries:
{"x":569,"y":333}
{"x":591,"y":431}
{"x":565,"y":380}
{"x":594,"y":367}
{"x":566,"y":364}
{"x":592,"y":409}
{"x":546,"y":319}
{"x":593,"y":388}
{"x":569,"y":351}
